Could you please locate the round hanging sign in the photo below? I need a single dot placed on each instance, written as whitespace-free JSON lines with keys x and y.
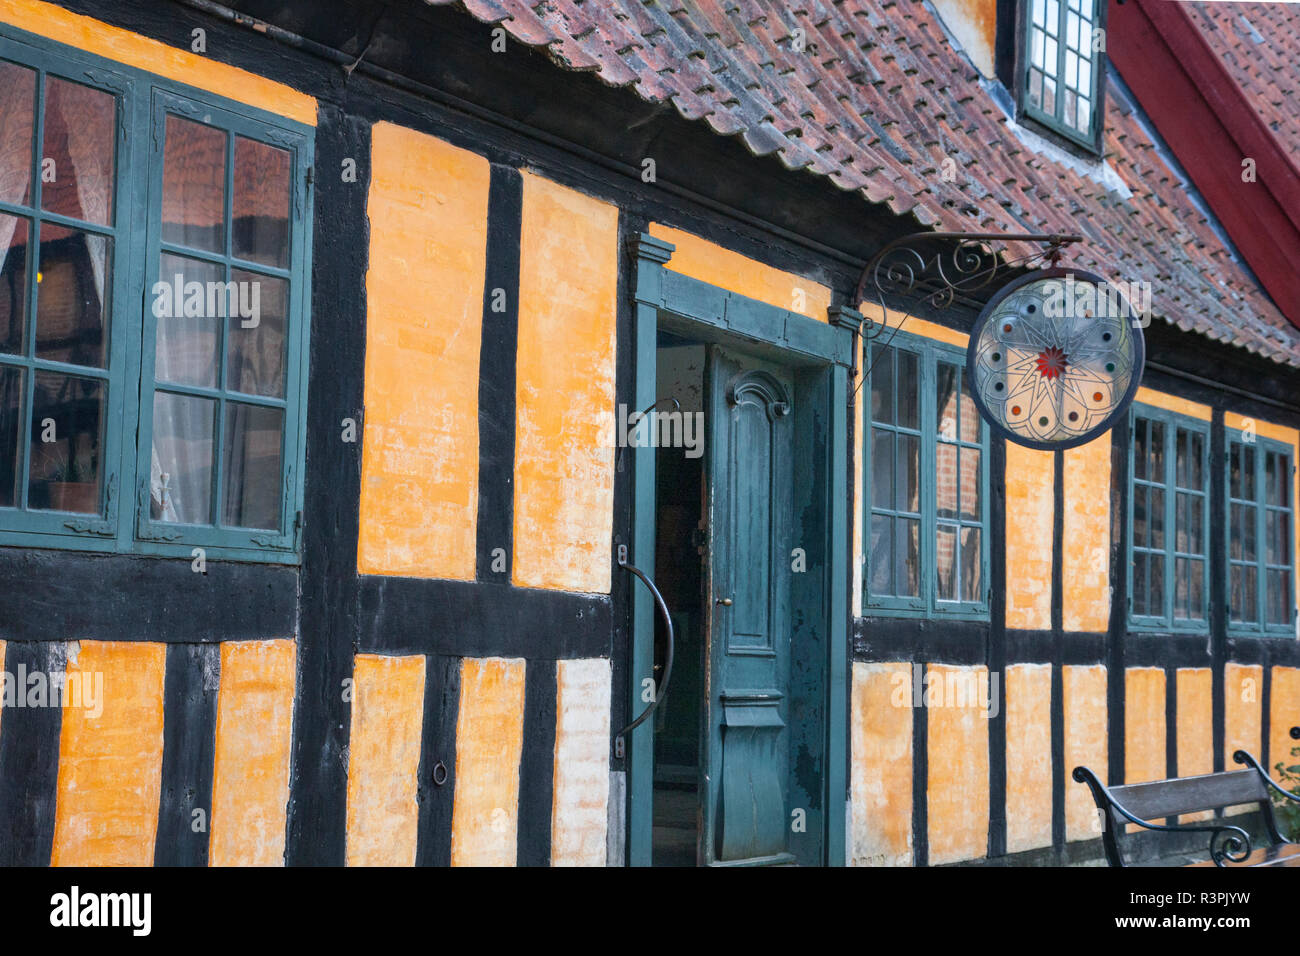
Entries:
{"x":1055,"y":358}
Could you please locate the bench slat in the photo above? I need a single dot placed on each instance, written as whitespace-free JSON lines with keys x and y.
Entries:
{"x":1167,"y":798}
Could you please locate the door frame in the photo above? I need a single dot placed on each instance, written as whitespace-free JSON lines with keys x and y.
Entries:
{"x":820,"y":356}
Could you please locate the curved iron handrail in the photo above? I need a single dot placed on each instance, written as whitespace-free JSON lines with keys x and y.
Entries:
{"x":1236,"y":840}
{"x":1243,"y":757}
{"x":661,"y":691}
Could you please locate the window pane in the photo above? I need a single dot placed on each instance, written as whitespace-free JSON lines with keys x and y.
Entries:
{"x":970,"y":417}
{"x":1157,"y":517}
{"x":1195,"y":456}
{"x":1182,"y":587}
{"x":946,"y":480}
{"x":972,"y":584}
{"x":1141,"y":532}
{"x":907,"y":543}
{"x":1248,"y":486}
{"x":188,"y":298}
{"x":1275,"y":479}
{"x":882,"y":576}
{"x":261,"y":203}
{"x":971,"y":490}
{"x":181,"y":476}
{"x":80,"y":129}
{"x":1278,"y":597}
{"x":909,"y":391}
{"x":1237,"y":592}
{"x":945,"y":405}
{"x":882,"y":468}
{"x":17,"y":114}
{"x":882,"y":386}
{"x":1156,"y":449}
{"x":1156,"y":585}
{"x":255,"y":335}
{"x":1085,"y":115}
{"x":945,"y":555}
{"x":1196,"y":526}
{"x":908,"y":487}
{"x":194,"y":185}
{"x":1039,"y":10}
{"x":1085,"y":74}
{"x":67,"y":429}
{"x":1053,"y":17}
{"x":1140,"y":590}
{"x":1049,"y":94}
{"x":1234,"y":469}
{"x":1248,"y":549}
{"x":1182,"y":507}
{"x":1237,"y":516}
{"x":1036,"y":48}
{"x":1036,"y":88}
{"x":11,"y":428}
{"x":251,"y":466}
{"x":1196,"y":592}
{"x":1249,"y":602}
{"x":13,"y":283}
{"x":1140,"y":453}
{"x":73,"y":295}
{"x":1180,"y":458}
{"x":1275,"y":535}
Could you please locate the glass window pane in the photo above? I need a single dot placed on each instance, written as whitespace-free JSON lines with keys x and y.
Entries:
{"x":1036,"y":48}
{"x":945,"y":559}
{"x":909,"y":391}
{"x":11,"y":430}
{"x":1248,"y":549}
{"x":1071,"y":72}
{"x":1237,"y":515}
{"x":972,"y":583}
{"x":1274,"y":479}
{"x":251,"y":466}
{"x":882,"y":386}
{"x":1140,"y":590}
{"x":1049,"y":95}
{"x":1140,"y":453}
{"x":1141,"y":531}
{"x":261,"y":203}
{"x":1036,"y":88}
{"x":64,"y":467}
{"x":1039,"y":12}
{"x":180,"y":480}
{"x":1053,"y":17}
{"x":77,"y":158}
{"x":1249,"y":602}
{"x":1234,"y":469}
{"x":1275,"y":537}
{"x":17,"y":127}
{"x":73,"y":295}
{"x":1249,"y":490}
{"x":1195,"y":461}
{"x":1156,"y":448}
{"x":1157,"y":518}
{"x":882,"y":468}
{"x":907,"y":542}
{"x":971,"y":423}
{"x":14,"y":232}
{"x":946,"y":400}
{"x":1182,"y":587}
{"x":1156,"y":586}
{"x":1049,"y":56}
{"x":1237,"y":593}
{"x":1085,"y":115}
{"x":1196,"y":592}
{"x":1196,"y":526}
{"x":255,"y":336}
{"x":1085,"y":73}
{"x":194,"y":185}
{"x":882,"y":550}
{"x":971,"y":489}
{"x":1180,"y":457}
{"x":1181,"y":508}
{"x":1278,"y":597}
{"x":945,"y":481}
{"x":188,"y":299}
{"x":907,"y":489}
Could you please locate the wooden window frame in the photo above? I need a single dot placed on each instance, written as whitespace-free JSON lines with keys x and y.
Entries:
{"x":1091,"y":138}
{"x":1259,"y":446}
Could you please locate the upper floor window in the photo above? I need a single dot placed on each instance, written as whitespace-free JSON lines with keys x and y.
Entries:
{"x":153,"y":283}
{"x":926,"y":486}
{"x":1169,"y":517}
{"x":1261,"y":554}
{"x":1062,"y":66}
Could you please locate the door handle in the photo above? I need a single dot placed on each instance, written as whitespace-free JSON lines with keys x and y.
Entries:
{"x":668,"y":655}
{"x":725,"y":602}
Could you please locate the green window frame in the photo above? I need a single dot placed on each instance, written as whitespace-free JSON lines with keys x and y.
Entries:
{"x":263,"y":425}
{"x":1168,"y":521}
{"x":1061,"y":72}
{"x":920,"y":464}
{"x":1259,"y":489}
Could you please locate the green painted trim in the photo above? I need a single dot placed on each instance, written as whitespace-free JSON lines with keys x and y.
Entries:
{"x":1261,"y":446}
{"x":1096,"y":61}
{"x":838,"y":752}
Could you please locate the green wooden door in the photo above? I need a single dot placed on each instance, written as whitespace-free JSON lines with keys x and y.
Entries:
{"x":745,"y":771}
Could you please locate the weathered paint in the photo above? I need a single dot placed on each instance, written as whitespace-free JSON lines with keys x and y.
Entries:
{"x":489,"y":742}
{"x":1172,"y":403}
{"x":717,"y":265}
{"x":1284,"y":713}
{"x":580,"y":802}
{"x":1288,"y":436}
{"x":1195,"y":727}
{"x":250,"y":778}
{"x":1086,"y":533}
{"x":957,"y":754}
{"x":1028,"y":703}
{"x":110,"y":765}
{"x":1243,"y":690}
{"x":1144,"y":724}
{"x":384,"y":760}
{"x":564,"y":391}
{"x":143,"y":53}
{"x":881,"y":774}
{"x":1083,"y":698}
{"x":424,"y":292}
{"x":872,"y":312}
{"x":1030,"y":484}
{"x":973,"y":23}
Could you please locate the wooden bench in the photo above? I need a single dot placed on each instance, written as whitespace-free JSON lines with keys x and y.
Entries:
{"x":1230,"y":845}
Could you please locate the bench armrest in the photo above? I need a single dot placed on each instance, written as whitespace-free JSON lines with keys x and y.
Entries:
{"x":1242,"y":757}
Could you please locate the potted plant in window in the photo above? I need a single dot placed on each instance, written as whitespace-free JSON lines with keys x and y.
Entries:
{"x":72,"y":485}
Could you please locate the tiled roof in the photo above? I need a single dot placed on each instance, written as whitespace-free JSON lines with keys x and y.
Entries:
{"x":876,"y":102}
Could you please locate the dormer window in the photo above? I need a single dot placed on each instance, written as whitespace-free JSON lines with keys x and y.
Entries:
{"x":1062,"y":66}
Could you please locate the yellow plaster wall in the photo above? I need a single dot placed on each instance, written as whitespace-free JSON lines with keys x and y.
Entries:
{"x":1144,"y":724}
{"x":250,"y":778}
{"x":580,"y":796}
{"x":489,"y":743}
{"x":1086,"y":537}
{"x":132,"y":49}
{"x":1195,"y":727}
{"x":110,"y":766}
{"x":880,"y":780}
{"x":1028,"y":703}
{"x":957,"y":754}
{"x":1083,"y":697}
{"x":1243,"y":693}
{"x":1172,"y":403}
{"x":564,"y":389}
{"x":384,"y":760}
{"x":717,"y":265}
{"x":1030,"y":484}
{"x":1284,"y":713}
{"x":424,"y":314}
